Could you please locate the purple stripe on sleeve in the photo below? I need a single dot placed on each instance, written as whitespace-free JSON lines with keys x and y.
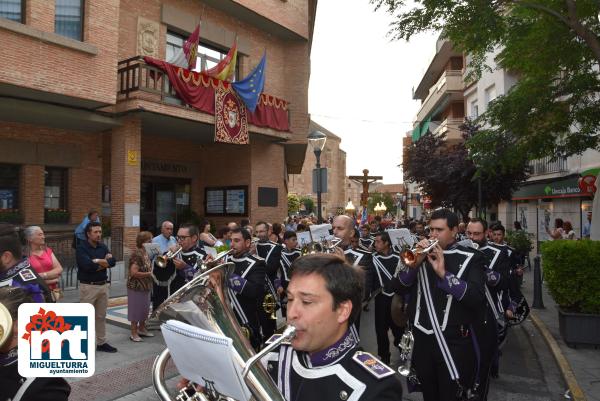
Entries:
{"x":453,"y":285}
{"x":407,"y":277}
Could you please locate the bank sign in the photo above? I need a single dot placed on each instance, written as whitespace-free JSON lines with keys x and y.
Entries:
{"x":56,"y":340}
{"x":562,"y":188}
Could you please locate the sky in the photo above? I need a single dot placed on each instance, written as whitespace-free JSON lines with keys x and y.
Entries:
{"x":361,"y":84}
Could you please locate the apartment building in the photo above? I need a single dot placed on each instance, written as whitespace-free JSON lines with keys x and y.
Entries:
{"x":86,"y":123}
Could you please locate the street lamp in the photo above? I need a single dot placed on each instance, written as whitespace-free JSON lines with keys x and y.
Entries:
{"x":350,"y":209}
{"x":317,"y":140}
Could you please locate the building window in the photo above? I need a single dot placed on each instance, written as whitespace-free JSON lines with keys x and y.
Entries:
{"x":474,"y":109}
{"x":9,"y":187}
{"x":208,"y":56}
{"x":12,"y":10}
{"x":68,"y":18}
{"x":490,"y":94}
{"x":55,"y":195}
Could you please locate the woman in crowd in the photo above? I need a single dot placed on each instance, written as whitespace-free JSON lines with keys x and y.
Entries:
{"x":558,"y":231}
{"x":139,"y":284}
{"x":568,"y":230}
{"x":223,"y":237}
{"x":206,"y":238}
{"x":276,"y":233}
{"x":43,"y":260}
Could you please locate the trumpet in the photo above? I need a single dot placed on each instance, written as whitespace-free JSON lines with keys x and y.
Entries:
{"x":162,"y":260}
{"x":323,"y":246}
{"x":410,"y":255}
{"x":270,"y":306}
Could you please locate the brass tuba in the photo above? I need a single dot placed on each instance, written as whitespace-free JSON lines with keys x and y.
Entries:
{"x":204,"y":302}
{"x":6,"y":325}
{"x":324,"y":246}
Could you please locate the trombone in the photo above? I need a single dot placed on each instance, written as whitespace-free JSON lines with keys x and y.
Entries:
{"x":162,"y":260}
{"x":409,"y":255}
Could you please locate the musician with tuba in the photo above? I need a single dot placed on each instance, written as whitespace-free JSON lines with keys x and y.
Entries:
{"x":246,"y":284}
{"x":446,"y":287}
{"x":324,"y":360}
{"x":271,"y":253}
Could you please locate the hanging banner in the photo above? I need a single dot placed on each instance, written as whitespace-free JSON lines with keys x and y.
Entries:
{"x":231,"y":121}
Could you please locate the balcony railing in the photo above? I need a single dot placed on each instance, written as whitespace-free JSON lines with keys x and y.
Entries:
{"x":135,"y":75}
{"x":450,"y":127}
{"x":449,"y":82}
{"x":548,"y":165}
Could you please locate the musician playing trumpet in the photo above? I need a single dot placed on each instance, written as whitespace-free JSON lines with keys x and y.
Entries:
{"x":446,"y":287}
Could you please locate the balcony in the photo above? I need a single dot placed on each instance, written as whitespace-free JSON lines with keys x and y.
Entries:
{"x":448,"y":88}
{"x":142,"y":86}
{"x":450,"y":127}
{"x":548,"y":165}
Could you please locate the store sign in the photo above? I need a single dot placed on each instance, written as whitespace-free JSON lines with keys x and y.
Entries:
{"x":167,"y":168}
{"x":565,"y":188}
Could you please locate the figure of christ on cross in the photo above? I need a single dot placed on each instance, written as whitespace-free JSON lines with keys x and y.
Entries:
{"x":365,"y":180}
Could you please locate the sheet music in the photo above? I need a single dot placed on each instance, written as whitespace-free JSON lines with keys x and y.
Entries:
{"x":320,"y":232}
{"x":202,"y":356}
{"x":399,"y":236}
{"x":304,"y":238}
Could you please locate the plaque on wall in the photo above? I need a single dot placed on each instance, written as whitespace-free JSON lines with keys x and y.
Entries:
{"x":214,"y":201}
{"x":226,"y":201}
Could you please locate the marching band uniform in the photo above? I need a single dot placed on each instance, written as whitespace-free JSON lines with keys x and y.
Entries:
{"x":191,"y":258}
{"x":22,"y":275}
{"x":37,"y":388}
{"x":162,"y":277}
{"x":384,"y":268}
{"x":339,"y":372}
{"x":492,"y":329}
{"x":366,"y":242}
{"x":285,"y":262}
{"x":441,"y":313}
{"x":271,"y":253}
{"x":247,"y":291}
{"x":361,"y":259}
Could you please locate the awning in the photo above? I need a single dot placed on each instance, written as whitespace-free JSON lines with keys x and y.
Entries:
{"x":421,"y":129}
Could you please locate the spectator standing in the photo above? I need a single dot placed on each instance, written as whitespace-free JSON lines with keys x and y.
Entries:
{"x":139,"y":285}
{"x":587,"y":226}
{"x":42,"y":259}
{"x":557,"y":232}
{"x":92,"y":215}
{"x":206,"y":238}
{"x":568,"y":232}
{"x":223,"y":239}
{"x":93,"y":261}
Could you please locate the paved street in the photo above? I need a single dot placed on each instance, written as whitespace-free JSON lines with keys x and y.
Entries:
{"x":528,"y":369}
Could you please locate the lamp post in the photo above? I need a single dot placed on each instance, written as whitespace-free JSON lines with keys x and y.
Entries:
{"x":350,"y":209}
{"x":317,"y":140}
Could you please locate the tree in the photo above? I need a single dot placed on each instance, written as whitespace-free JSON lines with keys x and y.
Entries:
{"x":377,"y":197}
{"x":446,"y":173}
{"x":309,"y":204}
{"x":554,"y":47}
{"x":293,"y":203}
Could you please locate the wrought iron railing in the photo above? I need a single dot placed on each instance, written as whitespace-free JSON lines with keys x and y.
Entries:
{"x":548,"y":165}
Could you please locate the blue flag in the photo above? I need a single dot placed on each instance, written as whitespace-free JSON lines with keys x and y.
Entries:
{"x":365,"y":217}
{"x":250,"y":88}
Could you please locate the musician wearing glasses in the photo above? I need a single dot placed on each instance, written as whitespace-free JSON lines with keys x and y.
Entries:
{"x":246,"y":284}
{"x":324,"y":360}
{"x":446,"y":287}
{"x":271,"y":252}
{"x":491,"y":331}
{"x":191,"y":254}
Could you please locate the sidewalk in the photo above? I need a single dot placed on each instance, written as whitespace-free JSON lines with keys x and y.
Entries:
{"x":579,"y":366}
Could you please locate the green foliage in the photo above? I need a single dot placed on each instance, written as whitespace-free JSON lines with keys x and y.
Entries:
{"x":439,"y":169}
{"x":187,"y":215}
{"x":12,"y":216}
{"x":293,"y":203}
{"x":553,"y":46}
{"x":106,"y":227}
{"x":571,"y":273}
{"x":377,"y":197}
{"x":309,"y":204}
{"x":56,"y":216}
{"x":520,"y":240}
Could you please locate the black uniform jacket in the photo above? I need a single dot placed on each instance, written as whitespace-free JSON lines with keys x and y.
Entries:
{"x":458,"y":298}
{"x":285,"y":262}
{"x":384,"y":268}
{"x":340,"y":372}
{"x":22,"y":275}
{"x":42,"y":388}
{"x":497,"y":273}
{"x":247,"y":293}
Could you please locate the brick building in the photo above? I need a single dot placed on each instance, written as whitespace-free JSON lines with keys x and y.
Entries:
{"x":81,"y":125}
{"x":334,"y":159}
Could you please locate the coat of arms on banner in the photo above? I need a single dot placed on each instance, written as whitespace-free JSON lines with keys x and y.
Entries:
{"x":231,"y":121}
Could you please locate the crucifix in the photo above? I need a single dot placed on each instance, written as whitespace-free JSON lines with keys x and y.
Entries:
{"x":365,"y":180}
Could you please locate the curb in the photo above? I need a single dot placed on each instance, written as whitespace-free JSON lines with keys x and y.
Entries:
{"x":563,"y":364}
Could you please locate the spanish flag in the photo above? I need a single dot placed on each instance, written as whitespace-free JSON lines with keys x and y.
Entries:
{"x":226,"y":67}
